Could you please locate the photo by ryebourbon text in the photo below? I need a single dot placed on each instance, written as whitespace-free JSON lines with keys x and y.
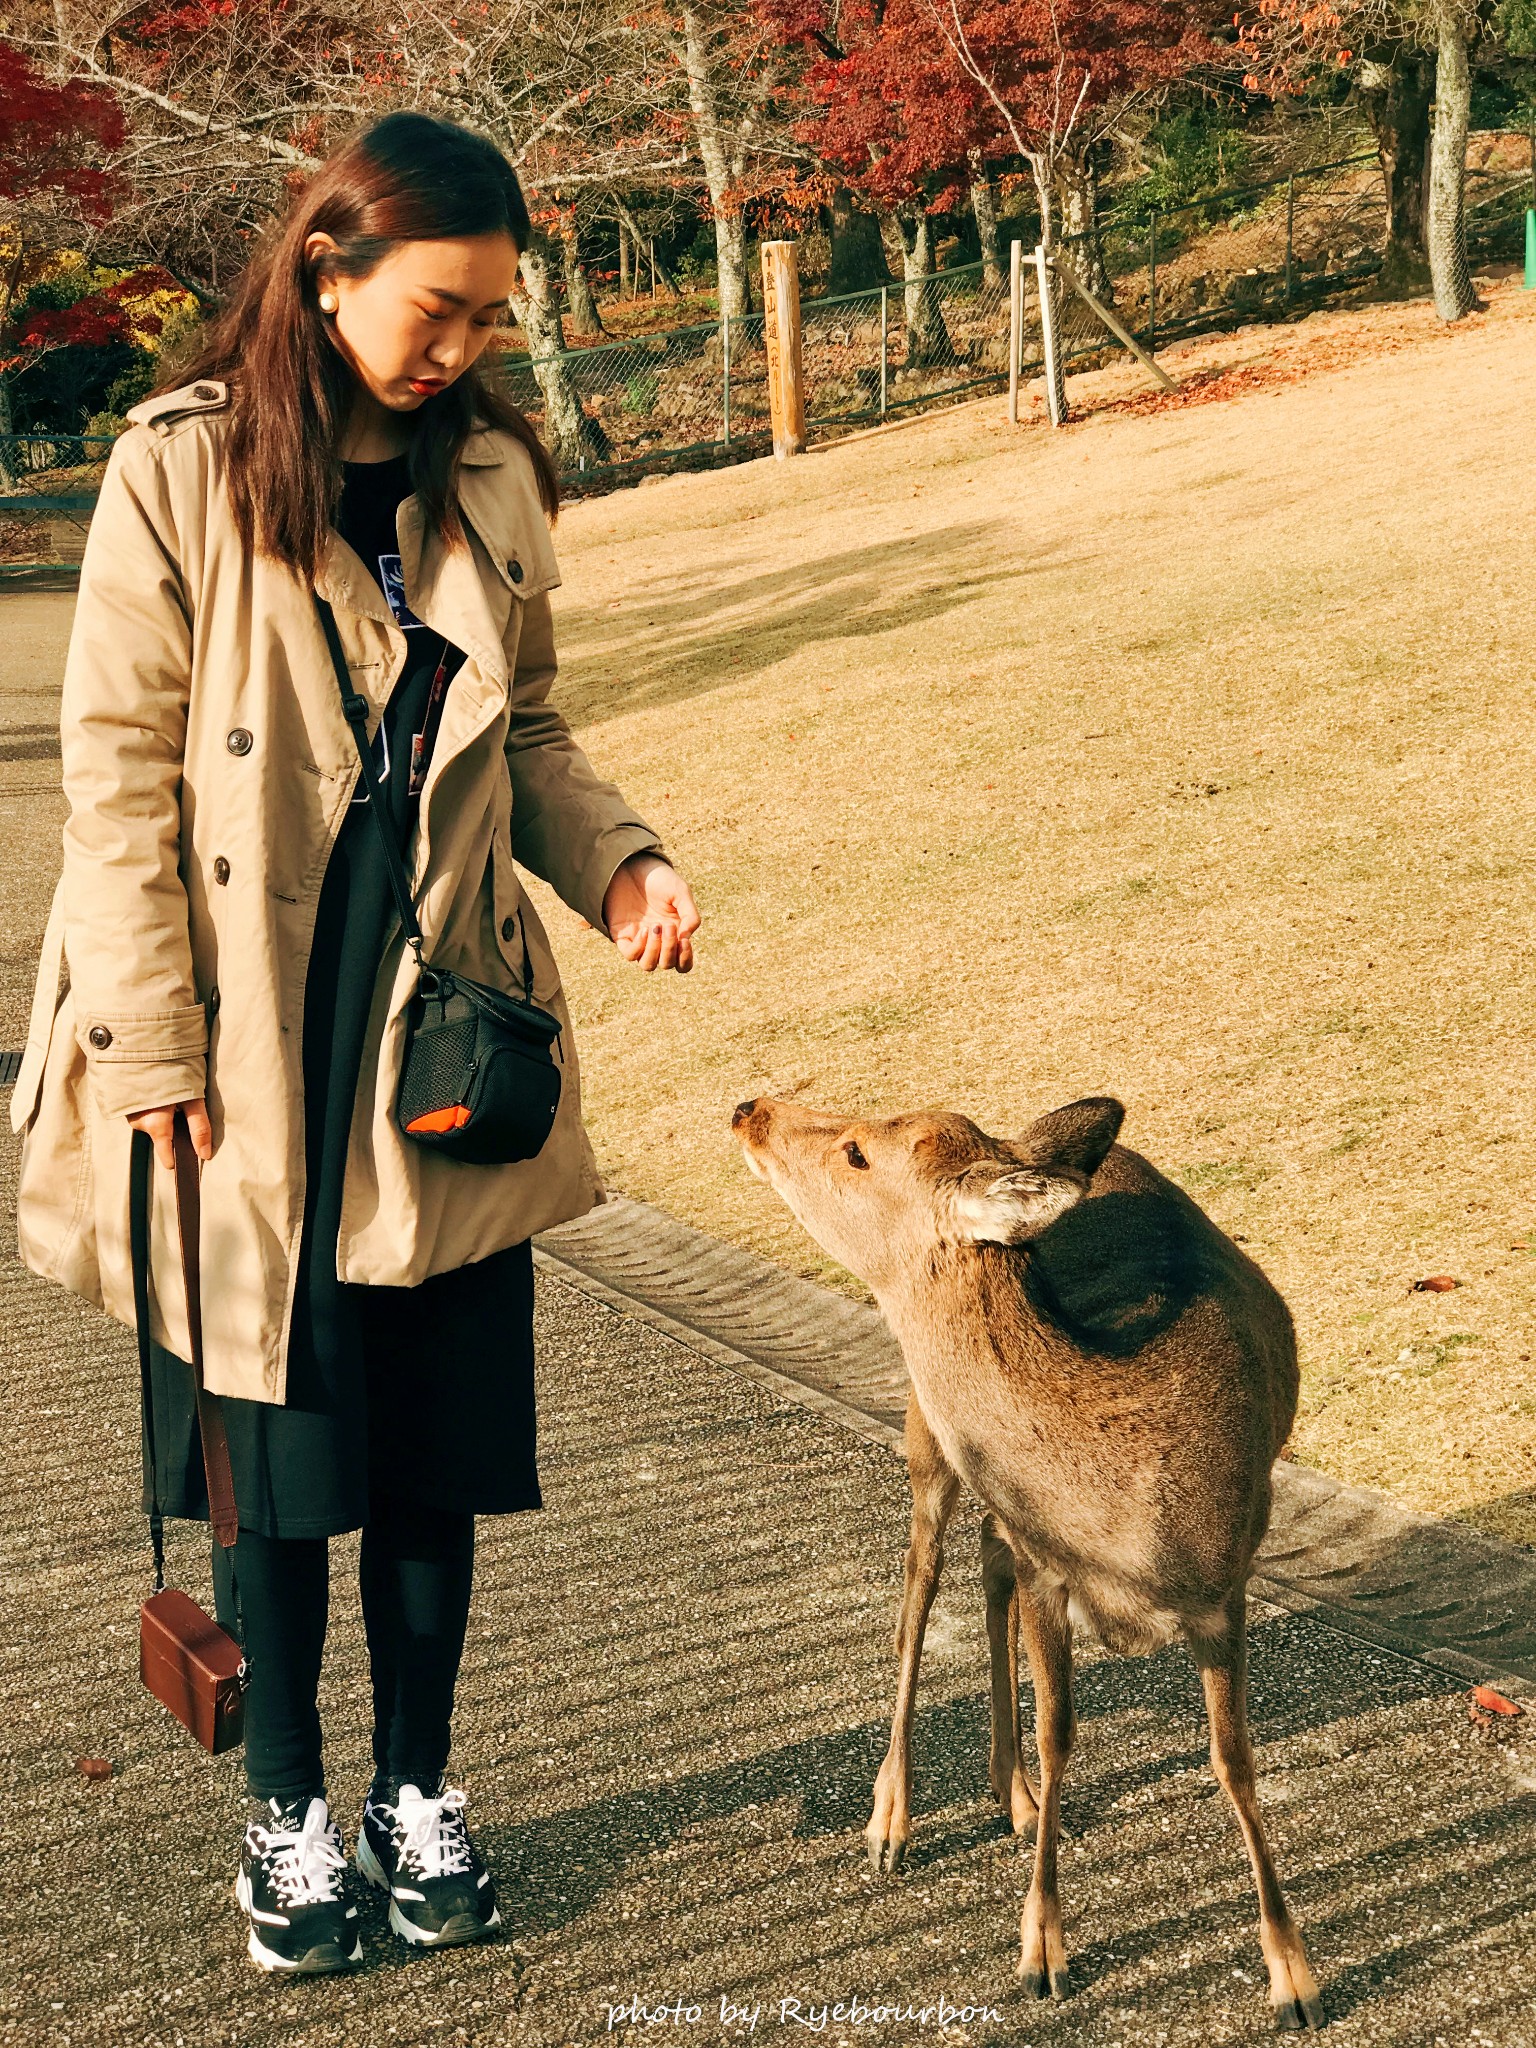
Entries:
{"x":811,"y":2015}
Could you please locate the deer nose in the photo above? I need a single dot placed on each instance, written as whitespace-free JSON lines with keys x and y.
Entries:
{"x":742,"y":1111}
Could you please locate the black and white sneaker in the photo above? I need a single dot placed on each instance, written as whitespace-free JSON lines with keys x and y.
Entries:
{"x":419,"y":1851}
{"x":290,"y":1885}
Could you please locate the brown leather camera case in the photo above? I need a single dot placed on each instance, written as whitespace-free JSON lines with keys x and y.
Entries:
{"x":192,"y":1667}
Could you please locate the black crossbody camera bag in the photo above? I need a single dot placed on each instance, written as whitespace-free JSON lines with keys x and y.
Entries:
{"x":479,"y":1081}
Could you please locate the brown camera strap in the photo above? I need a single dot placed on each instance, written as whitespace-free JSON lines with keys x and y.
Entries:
{"x":222,"y":1512}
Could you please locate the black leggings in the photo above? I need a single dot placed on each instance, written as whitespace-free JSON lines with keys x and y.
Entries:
{"x":416,"y":1568}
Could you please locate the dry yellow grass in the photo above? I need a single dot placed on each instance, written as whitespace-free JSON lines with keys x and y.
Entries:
{"x":1185,"y":756}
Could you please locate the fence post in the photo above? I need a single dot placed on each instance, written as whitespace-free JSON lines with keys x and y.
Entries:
{"x":1055,"y":383}
{"x":885,"y":312}
{"x":1015,"y":326}
{"x":725,"y":379}
{"x":1290,"y":235}
{"x":1152,"y":284}
{"x":781,"y":338}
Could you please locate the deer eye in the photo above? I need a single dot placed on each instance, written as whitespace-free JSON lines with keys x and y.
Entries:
{"x":855,"y":1156}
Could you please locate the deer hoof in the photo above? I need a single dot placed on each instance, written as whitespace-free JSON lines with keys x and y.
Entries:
{"x":886,"y":1854}
{"x":1300,"y":2015}
{"x":1044,"y":1983}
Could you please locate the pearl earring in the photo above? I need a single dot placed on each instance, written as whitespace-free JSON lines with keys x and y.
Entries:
{"x":328,"y":302}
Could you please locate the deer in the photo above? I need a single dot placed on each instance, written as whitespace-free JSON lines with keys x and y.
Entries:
{"x":1112,"y":1378}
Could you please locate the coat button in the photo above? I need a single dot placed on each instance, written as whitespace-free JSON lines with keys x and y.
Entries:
{"x":239,"y":741}
{"x":213,"y":1001}
{"x":509,"y":927}
{"x":515,"y":571}
{"x":204,"y":391}
{"x":221,"y":871}
{"x":100,"y":1037}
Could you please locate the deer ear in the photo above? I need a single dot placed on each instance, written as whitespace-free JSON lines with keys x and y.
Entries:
{"x":1076,"y":1137}
{"x":986,"y":1207}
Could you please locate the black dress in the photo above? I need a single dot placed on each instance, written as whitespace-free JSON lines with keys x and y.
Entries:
{"x":425,"y":1393}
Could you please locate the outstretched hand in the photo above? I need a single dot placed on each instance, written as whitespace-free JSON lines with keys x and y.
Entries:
{"x":650,"y":912}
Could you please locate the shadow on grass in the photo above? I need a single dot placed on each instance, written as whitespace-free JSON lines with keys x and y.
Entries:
{"x":692,"y":636}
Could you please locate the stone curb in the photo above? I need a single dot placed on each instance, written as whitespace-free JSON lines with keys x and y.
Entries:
{"x":1412,"y":1584}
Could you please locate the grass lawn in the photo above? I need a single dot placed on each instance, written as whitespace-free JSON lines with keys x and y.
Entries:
{"x":1186,"y":755}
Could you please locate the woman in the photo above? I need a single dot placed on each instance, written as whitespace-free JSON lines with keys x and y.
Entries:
{"x":234,"y":958}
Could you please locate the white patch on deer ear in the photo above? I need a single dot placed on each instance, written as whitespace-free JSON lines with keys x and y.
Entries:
{"x":1009,"y":1208}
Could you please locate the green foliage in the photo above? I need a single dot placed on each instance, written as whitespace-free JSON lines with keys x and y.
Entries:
{"x":51,"y":295}
{"x":640,"y":394}
{"x":1514,"y":23}
{"x":1191,"y":151}
{"x":695,"y":264}
{"x":132,"y":383}
{"x":178,"y":338}
{"x":1506,"y":98}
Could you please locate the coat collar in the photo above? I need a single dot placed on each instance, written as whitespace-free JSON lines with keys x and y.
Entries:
{"x":484,"y":444}
{"x":443,"y":587}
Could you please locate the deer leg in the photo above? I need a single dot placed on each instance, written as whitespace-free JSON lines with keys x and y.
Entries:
{"x":1047,"y":1633}
{"x":935,"y":1488}
{"x":1010,"y":1781}
{"x":1223,"y":1662}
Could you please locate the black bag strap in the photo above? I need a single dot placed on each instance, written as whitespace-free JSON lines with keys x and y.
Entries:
{"x":354,"y":709}
{"x":222,"y":1512}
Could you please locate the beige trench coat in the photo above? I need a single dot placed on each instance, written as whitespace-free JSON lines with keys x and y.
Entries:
{"x":208,"y":770}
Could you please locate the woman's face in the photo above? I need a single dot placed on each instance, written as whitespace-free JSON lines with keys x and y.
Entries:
{"x":422,"y":316}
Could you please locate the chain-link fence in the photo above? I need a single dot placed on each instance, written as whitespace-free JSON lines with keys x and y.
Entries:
{"x":700,"y":393}
{"x":48,"y":486}
{"x":1261,"y":251}
{"x":694,"y":396}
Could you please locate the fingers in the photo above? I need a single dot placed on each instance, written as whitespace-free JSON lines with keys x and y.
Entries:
{"x":661,"y":943}
{"x":199,"y":1128}
{"x":664,"y":938}
{"x":687,"y":910}
{"x":159,"y":1125}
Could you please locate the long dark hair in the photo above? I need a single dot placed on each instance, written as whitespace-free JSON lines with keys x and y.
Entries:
{"x":407,"y":177}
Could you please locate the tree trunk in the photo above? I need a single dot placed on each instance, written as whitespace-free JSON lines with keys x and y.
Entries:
{"x":623,"y":262}
{"x":1449,"y":273}
{"x":1079,"y":177}
{"x":8,"y":471}
{"x":928,"y":342}
{"x":569,"y":432}
{"x":858,"y":258}
{"x":645,"y":254}
{"x":984,"y":207}
{"x":720,"y":175}
{"x":585,"y":317}
{"x":1395,"y":96}
{"x":731,"y":265}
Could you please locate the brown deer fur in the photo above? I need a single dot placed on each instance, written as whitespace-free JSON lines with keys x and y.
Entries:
{"x":1112,"y":1378}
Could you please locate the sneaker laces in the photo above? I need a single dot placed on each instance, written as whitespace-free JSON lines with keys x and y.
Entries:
{"x":304,"y":1861}
{"x":432,"y":1832}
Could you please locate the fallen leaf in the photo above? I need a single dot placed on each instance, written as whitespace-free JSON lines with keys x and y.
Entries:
{"x":94,"y":1767}
{"x":1437,"y":1283}
{"x":1493,"y":1702}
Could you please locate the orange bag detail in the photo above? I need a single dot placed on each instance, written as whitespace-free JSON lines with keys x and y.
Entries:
{"x":453,"y":1119}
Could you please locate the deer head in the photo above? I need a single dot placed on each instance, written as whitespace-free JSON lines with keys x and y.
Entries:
{"x":882,"y":1194}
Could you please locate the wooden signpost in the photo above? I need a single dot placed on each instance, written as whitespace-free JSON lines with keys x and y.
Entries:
{"x":781,"y":339}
